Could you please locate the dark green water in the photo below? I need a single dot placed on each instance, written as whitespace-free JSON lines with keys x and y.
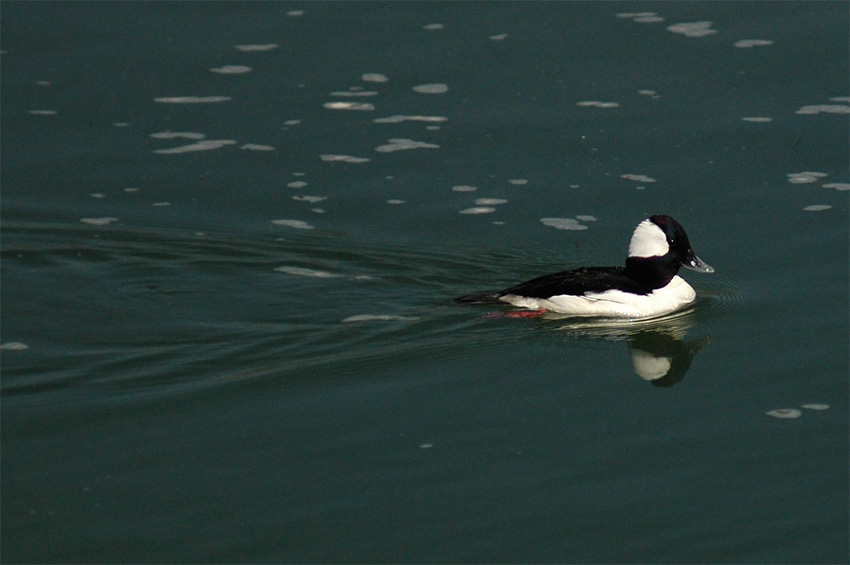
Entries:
{"x":220,"y":346}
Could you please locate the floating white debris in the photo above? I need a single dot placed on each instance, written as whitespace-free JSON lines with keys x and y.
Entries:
{"x":343,"y":158}
{"x":192,"y":99}
{"x":295,"y":13}
{"x":432,"y":27}
{"x":310,"y":199}
{"x":750,"y":43}
{"x":837,"y":185}
{"x":464,"y":188}
{"x":598,"y":104}
{"x":498,"y":37}
{"x":374,"y":77}
{"x":490,"y":201}
{"x":97,"y":195}
{"x":426,"y":445}
{"x":586,"y":218}
{"x":42,"y":112}
{"x":647,"y":92}
{"x":263,"y":47}
{"x":805,"y":177}
{"x":402,"y":144}
{"x":14,"y":346}
{"x":395,"y":201}
{"x":637,"y":178}
{"x":757,"y":119}
{"x":231,"y":70}
{"x":121,"y":124}
{"x":43,"y":83}
{"x":296,"y":184}
{"x":478,"y":210}
{"x":131,"y":189}
{"x":98,"y":221}
{"x":402,"y":118}
{"x":379,"y":318}
{"x":641,"y":17}
{"x":305,"y":272}
{"x":563,"y":223}
{"x":518,"y":182}
{"x":817,"y":207}
{"x":177,"y":135}
{"x":815,"y":406}
{"x":785,"y":413}
{"x":256,"y":147}
{"x":205,"y":145}
{"x":159,"y":204}
{"x":297,"y":224}
{"x":291,"y":122}
{"x":360,"y":106}
{"x":824,"y":108}
{"x":692,"y":29}
{"x":435,"y":88}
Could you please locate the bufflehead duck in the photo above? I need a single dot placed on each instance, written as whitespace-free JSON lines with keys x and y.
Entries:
{"x":646,"y":287}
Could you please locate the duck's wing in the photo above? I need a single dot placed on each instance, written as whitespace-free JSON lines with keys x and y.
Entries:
{"x":577,"y":282}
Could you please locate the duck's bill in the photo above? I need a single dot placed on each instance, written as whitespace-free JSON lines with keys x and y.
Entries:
{"x":698,"y":265}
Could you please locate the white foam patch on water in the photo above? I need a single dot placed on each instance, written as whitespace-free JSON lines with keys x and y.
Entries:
{"x":291,"y":122}
{"x":358,"y":106}
{"x":478,"y":210}
{"x":692,"y":29}
{"x":396,"y":201}
{"x":490,"y":201}
{"x":750,"y":43}
{"x":379,"y":318}
{"x":824,"y":109}
{"x":97,"y":195}
{"x":647,"y":92}
{"x":815,"y":406}
{"x":598,"y":104}
{"x":403,"y":118}
{"x":205,"y":145}
{"x":757,"y":119}
{"x":433,"y":27}
{"x":374,"y":77}
{"x":586,"y":218}
{"x":563,"y":223}
{"x":464,"y":188}
{"x":308,"y":198}
{"x":637,"y":178}
{"x":305,"y":272}
{"x":434,"y":88}
{"x":817,"y":207}
{"x":160,"y":204}
{"x":231,"y":70}
{"x":98,"y":221}
{"x":191,"y":99}
{"x":296,"y":184}
{"x":131,"y":189}
{"x":641,"y":17}
{"x":256,"y":147}
{"x":297,"y":224}
{"x":498,"y":37}
{"x":42,"y":112}
{"x":343,"y":159}
{"x":404,"y":144}
{"x":295,"y":13}
{"x":785,"y":413}
{"x":518,"y":182}
{"x":14,"y":346}
{"x":258,"y":47}
{"x":805,"y":177}
{"x":177,"y":135}
{"x":837,"y":185}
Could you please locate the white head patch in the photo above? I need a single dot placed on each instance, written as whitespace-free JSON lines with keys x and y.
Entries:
{"x":648,"y":241}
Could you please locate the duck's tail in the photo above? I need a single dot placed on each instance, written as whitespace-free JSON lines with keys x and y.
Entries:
{"x":480,"y":297}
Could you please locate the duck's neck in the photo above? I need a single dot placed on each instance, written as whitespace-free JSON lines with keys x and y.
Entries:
{"x":653,"y":272}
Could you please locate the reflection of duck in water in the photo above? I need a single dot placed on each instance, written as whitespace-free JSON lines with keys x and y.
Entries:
{"x":659,"y":351}
{"x":646,"y":287}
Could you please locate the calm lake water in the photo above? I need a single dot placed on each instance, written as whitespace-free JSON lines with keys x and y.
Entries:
{"x":231,"y":233}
